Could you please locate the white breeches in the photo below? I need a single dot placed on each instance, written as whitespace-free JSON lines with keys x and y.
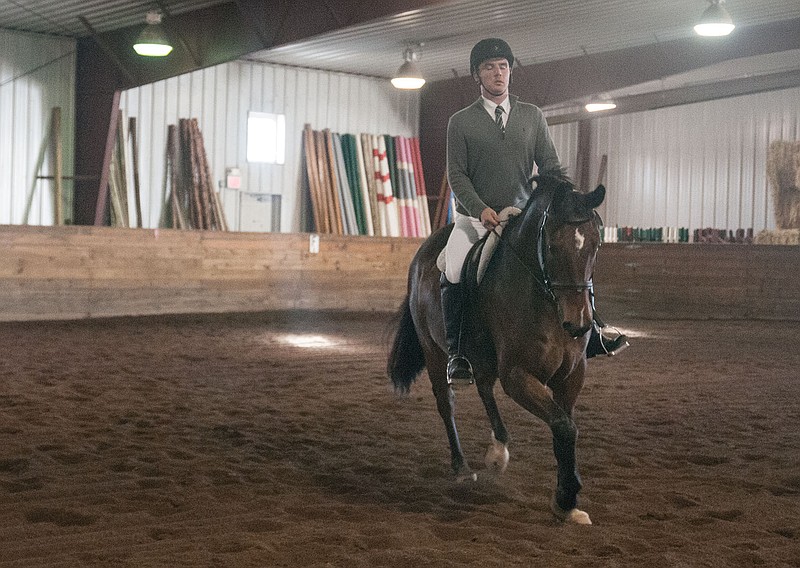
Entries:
{"x":467,"y":232}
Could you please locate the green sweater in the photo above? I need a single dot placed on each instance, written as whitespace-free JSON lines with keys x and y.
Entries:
{"x":486,"y":168}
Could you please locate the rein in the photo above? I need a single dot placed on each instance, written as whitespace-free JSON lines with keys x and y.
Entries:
{"x":547,"y":285}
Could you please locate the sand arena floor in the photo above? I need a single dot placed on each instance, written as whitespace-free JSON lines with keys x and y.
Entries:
{"x":276,"y":440}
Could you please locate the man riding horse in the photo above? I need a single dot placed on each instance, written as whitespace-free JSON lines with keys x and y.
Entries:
{"x":492,"y":146}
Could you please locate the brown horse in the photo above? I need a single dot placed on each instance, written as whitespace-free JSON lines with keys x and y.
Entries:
{"x":528,"y":320}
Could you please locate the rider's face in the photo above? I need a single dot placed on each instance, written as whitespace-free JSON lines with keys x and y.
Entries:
{"x":494,"y":76}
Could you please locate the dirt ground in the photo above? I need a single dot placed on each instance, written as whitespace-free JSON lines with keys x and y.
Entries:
{"x":276,"y":440}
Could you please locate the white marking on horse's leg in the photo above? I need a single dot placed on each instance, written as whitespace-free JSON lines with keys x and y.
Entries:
{"x":465,"y":475}
{"x":573,"y":516}
{"x":496,"y":456}
{"x":579,"y":239}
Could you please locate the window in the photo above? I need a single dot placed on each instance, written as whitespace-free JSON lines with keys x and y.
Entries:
{"x":266,"y":138}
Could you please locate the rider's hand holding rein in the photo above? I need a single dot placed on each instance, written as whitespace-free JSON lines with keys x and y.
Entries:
{"x":489,"y":218}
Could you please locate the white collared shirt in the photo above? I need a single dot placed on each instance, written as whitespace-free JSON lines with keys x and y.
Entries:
{"x":490,"y":106}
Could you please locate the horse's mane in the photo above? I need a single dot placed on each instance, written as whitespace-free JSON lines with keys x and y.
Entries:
{"x":544,"y":182}
{"x":558,"y":176}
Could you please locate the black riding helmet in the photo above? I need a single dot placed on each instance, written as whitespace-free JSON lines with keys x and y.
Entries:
{"x":490,"y":48}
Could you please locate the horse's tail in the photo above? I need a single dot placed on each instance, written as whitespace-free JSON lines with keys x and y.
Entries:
{"x":406,"y":358}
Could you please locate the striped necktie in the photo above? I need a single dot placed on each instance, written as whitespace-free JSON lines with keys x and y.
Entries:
{"x":498,"y":118}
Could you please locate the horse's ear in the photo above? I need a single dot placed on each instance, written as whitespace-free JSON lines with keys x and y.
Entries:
{"x":596,"y":197}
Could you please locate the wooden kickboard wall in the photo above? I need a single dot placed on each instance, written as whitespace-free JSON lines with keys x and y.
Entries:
{"x":84,"y":272}
{"x":698,"y":281}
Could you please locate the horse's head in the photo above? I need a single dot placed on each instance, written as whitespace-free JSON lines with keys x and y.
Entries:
{"x":567,"y":243}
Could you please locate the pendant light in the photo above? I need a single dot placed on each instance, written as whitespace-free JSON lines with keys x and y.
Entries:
{"x":409,"y":75}
{"x":152,"y":41}
{"x":597,"y":105}
{"x":715,"y":21}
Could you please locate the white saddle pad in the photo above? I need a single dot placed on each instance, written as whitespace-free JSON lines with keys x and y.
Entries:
{"x":488,"y":248}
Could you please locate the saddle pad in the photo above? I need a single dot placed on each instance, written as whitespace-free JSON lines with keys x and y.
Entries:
{"x":491,"y":243}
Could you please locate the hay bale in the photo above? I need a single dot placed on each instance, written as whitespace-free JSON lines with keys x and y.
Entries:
{"x":779,"y":237}
{"x":797,"y":165}
{"x":783,"y":172}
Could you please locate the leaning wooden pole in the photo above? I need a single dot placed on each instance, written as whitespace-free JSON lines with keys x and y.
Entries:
{"x":338,"y":205}
{"x":215,"y":215}
{"x":174,"y":176}
{"x":442,"y":204}
{"x":601,"y":175}
{"x":313,"y":179}
{"x":58,"y":173}
{"x":324,"y":176}
{"x":187,"y":151}
{"x":213,"y":195}
{"x":202,"y":175}
{"x":135,"y":156}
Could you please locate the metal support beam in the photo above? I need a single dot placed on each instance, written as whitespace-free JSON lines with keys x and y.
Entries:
{"x":108,"y":49}
{"x":179,"y":36}
{"x":95,"y":126}
{"x":265,"y":21}
{"x":688,"y":95}
{"x":111,"y":139}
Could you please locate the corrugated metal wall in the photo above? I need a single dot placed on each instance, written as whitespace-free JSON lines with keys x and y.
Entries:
{"x":701,"y":165}
{"x":220,"y":98}
{"x":696,"y":166}
{"x":565,"y":139}
{"x":37,"y":73}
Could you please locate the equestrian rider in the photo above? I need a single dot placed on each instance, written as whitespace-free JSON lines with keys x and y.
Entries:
{"x":492,"y":146}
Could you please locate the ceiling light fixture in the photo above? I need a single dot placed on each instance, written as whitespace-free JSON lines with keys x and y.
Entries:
{"x":597,"y":105}
{"x":409,"y":75}
{"x":715,"y":21}
{"x":152,"y":41}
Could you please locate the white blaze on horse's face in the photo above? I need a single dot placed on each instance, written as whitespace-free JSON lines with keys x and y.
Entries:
{"x":579,"y":239}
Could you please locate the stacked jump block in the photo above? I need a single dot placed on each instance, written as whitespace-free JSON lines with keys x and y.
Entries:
{"x":642,"y":235}
{"x":675,"y":235}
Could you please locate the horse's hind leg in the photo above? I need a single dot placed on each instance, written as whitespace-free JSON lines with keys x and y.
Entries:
{"x":497,"y":454}
{"x":445,"y":403}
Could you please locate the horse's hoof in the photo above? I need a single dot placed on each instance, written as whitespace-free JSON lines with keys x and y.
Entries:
{"x":573,"y":516}
{"x":496,"y":457}
{"x":466,"y":476}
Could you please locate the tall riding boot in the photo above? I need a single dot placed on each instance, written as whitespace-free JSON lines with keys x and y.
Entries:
{"x":599,"y":345}
{"x":459,"y":369}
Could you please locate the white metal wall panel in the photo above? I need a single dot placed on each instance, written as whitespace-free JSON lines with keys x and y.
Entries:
{"x":220,"y":98}
{"x":696,"y":166}
{"x":565,"y":139}
{"x":37,"y":73}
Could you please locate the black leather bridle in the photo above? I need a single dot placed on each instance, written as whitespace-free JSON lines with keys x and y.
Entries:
{"x":540,"y":253}
{"x":549,"y":286}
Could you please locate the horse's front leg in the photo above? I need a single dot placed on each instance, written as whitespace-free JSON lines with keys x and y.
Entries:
{"x":445,"y":404}
{"x":527,"y":391}
{"x":497,"y":454}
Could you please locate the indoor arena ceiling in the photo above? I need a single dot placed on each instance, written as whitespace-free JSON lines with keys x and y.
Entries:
{"x":539,"y":31}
